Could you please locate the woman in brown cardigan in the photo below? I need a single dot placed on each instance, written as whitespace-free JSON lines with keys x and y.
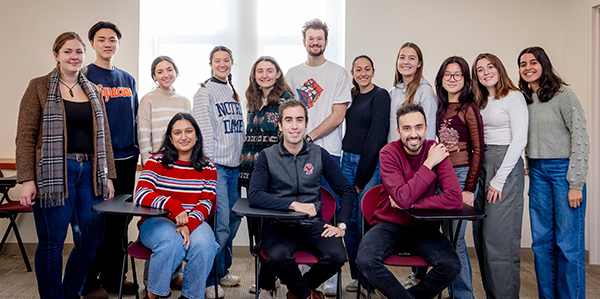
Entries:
{"x":65,"y":163}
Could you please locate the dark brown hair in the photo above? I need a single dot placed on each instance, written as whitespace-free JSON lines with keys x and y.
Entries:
{"x":101,"y":25}
{"x":315,"y":24}
{"x":549,"y":82}
{"x":355,"y":88}
{"x":254,"y":93}
{"x":216,"y":49}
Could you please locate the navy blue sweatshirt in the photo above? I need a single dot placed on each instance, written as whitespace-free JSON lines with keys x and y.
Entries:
{"x":280,"y":178}
{"x":121,"y":101}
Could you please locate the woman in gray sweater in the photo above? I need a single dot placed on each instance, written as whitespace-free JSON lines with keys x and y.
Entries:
{"x":558,"y":150}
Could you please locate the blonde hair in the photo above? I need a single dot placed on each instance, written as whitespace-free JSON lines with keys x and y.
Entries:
{"x":411,"y":88}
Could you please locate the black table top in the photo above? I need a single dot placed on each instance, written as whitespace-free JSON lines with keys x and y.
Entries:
{"x":467,"y":213}
{"x":8,"y":181}
{"x":242,"y":208}
{"x":119,"y":205}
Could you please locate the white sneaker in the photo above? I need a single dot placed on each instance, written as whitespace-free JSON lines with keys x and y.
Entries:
{"x":230,"y":280}
{"x":210,"y":292}
{"x":330,"y":288}
{"x":252,"y":288}
{"x":352,"y":286}
{"x":374,"y":294}
{"x":410,"y":281}
{"x":267,"y":294}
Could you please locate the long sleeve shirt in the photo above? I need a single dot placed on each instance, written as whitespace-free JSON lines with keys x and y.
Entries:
{"x":413,"y":186}
{"x":281,"y":178}
{"x":464,"y":127}
{"x":366,"y":131}
{"x":504,"y":123}
{"x":155,"y":112}
{"x":178,"y":189}
{"x":557,"y":130}
{"x":424,"y":97}
{"x":221,"y":122}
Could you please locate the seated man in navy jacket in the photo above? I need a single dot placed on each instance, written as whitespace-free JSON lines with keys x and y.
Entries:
{"x":412,"y":169}
{"x":287,"y":177}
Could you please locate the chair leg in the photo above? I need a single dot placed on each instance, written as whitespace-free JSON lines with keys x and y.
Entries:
{"x":135,"y":281}
{"x":338,"y":294}
{"x":358,"y":290}
{"x":256,"y":275}
{"x":216,"y":278}
{"x":8,"y":228}
{"x":124,"y":262}
{"x":20,"y":242}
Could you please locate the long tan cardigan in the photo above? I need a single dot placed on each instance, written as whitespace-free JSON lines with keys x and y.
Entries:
{"x":29,"y":134}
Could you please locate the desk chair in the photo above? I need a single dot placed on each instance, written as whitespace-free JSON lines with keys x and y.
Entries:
{"x":328,"y":208}
{"x":137,"y":250}
{"x":368,"y":207}
{"x":11,"y":209}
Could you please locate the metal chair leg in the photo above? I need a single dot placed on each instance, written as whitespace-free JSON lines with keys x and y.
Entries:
{"x":20,"y":242}
{"x":135,"y":281}
{"x":124,"y":262}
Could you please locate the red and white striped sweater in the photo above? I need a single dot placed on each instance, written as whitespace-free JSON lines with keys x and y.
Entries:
{"x":178,"y":189}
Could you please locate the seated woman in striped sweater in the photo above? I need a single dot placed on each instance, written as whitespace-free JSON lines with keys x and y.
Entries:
{"x":181,"y":180}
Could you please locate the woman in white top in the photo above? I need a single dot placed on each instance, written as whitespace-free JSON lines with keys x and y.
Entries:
{"x":498,"y":236}
{"x":411,"y":87}
{"x":159,"y":106}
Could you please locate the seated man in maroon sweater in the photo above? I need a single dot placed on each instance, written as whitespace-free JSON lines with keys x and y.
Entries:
{"x":412,"y":169}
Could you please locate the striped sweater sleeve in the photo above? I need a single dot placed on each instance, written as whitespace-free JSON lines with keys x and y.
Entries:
{"x":202,"y":113}
{"x":146,"y":194}
{"x":207,"y":197}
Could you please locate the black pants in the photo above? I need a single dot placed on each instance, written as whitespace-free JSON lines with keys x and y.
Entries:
{"x":424,"y":240}
{"x":110,"y":254}
{"x":281,"y":240}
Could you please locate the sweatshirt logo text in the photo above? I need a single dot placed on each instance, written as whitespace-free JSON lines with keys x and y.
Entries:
{"x":114,"y":92}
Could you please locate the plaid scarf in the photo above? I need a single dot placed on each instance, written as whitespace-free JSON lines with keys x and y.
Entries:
{"x":50,"y":173}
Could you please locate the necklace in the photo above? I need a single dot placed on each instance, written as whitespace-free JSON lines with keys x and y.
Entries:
{"x":67,"y":86}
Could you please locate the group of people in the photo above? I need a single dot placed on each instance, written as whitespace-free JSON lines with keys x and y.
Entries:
{"x":81,"y":129}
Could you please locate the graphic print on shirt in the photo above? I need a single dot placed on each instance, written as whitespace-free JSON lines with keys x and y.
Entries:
{"x":114,"y":92}
{"x":309,"y":92}
{"x":309,"y":168}
{"x":231,"y":124}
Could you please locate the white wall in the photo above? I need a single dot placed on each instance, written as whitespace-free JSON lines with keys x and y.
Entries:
{"x":376,"y":28}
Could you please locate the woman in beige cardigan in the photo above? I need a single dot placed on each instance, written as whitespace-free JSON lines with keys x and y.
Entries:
{"x":65,"y":163}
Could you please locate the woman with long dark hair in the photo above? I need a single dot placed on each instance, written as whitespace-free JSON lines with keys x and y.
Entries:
{"x":219,"y":114}
{"x":366,"y":134}
{"x":460,"y":128}
{"x":498,"y":237}
{"x":65,"y":163}
{"x":558,"y":150}
{"x":183,"y":181}
{"x":411,"y":87}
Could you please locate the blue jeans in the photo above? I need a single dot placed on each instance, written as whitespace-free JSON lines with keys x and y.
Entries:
{"x":227,"y":222}
{"x":558,"y":231}
{"x":354,"y":233}
{"x":168,"y":251}
{"x":463,"y":284}
{"x":424,"y":240}
{"x":52,"y":224}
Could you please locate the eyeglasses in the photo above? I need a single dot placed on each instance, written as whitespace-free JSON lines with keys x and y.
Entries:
{"x":312,"y":38}
{"x":457,"y":76}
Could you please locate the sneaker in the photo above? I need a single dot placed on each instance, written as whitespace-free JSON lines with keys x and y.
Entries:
{"x":210,"y":292}
{"x":252,"y":288}
{"x":97,"y":293}
{"x":374,"y":294}
{"x":330,"y":288}
{"x":177,"y":283}
{"x":267,"y":294}
{"x":129,"y":288}
{"x":230,"y":280}
{"x":352,"y":286}
{"x":410,"y":281}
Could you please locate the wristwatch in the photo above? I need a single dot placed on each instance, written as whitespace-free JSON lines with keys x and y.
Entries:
{"x":308,"y":138}
{"x":342,"y":226}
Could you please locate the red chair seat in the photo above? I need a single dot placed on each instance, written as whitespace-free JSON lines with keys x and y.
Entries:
{"x":405,"y":261}
{"x":139,"y":251}
{"x":15,"y":206}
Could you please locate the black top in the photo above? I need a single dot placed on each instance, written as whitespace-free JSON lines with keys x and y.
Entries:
{"x":80,"y":127}
{"x":367,"y":124}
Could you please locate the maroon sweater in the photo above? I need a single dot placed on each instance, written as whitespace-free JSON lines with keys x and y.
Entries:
{"x":413,"y":185}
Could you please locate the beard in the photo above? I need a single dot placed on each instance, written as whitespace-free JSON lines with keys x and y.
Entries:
{"x":413,"y":149}
{"x":311,"y":53}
